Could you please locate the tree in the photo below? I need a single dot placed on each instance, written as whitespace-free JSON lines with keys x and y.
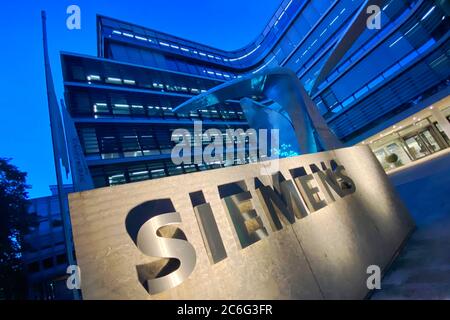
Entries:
{"x":15,"y":222}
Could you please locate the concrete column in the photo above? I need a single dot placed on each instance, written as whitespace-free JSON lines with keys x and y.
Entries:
{"x":442,"y":120}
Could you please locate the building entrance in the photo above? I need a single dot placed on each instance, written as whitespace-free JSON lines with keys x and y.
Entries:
{"x":422,"y":143}
{"x":420,"y":135}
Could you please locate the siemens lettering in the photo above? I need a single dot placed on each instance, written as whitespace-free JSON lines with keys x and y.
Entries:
{"x":154,"y":225}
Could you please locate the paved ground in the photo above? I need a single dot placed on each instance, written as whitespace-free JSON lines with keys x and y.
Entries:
{"x":422,"y":270}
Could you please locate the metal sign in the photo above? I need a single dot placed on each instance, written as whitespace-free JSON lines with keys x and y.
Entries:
{"x":308,"y":231}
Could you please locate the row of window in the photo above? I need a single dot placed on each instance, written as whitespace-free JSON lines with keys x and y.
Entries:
{"x":44,"y":224}
{"x":104,"y":110}
{"x":154,"y":86}
{"x":420,"y":81}
{"x":280,"y":20}
{"x":108,"y":142}
{"x":372,"y":71}
{"x":38,"y":241}
{"x":126,"y":50}
{"x":392,"y":13}
{"x":101,"y":103}
{"x":47,"y":263}
{"x":119,"y":174}
{"x":297,"y":32}
{"x":320,"y":38}
{"x":144,"y":56}
{"x":86,"y":69}
{"x":301,"y":39}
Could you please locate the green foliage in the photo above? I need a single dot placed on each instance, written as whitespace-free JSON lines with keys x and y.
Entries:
{"x":392,"y":158}
{"x":15,"y":222}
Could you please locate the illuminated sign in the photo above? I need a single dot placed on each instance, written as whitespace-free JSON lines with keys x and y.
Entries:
{"x":150,"y":224}
{"x":308,"y":230}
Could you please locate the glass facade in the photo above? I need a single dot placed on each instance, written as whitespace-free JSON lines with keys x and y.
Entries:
{"x":122,"y":101}
{"x":45,"y":252}
{"x":413,"y":138}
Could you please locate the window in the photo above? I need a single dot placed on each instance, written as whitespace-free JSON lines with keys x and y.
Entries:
{"x":391,"y":70}
{"x":56,"y":223}
{"x":138,"y":173}
{"x":375,"y":82}
{"x":90,"y":142}
{"x":148,"y":143}
{"x":61,"y":259}
{"x":100,"y":108}
{"x":174,"y":169}
{"x":130,"y":143}
{"x":121,"y":109}
{"x":138,"y":110}
{"x":361,"y":92}
{"x":116,"y":179}
{"x":47,"y":263}
{"x":33,"y":267}
{"x":108,"y":143}
{"x":348,"y":101}
{"x":329,"y":98}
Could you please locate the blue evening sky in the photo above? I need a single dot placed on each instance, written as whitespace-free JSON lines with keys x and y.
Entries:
{"x":24,"y":124}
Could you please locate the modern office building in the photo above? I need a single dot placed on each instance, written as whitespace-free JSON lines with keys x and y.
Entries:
{"x":45,"y":255}
{"x":122,"y":100}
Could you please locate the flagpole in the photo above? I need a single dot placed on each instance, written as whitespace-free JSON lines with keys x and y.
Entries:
{"x":61,"y":193}
{"x":81,"y":177}
{"x":72,"y":169}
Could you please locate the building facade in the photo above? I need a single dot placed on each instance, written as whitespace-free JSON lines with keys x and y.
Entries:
{"x":45,"y":256}
{"x":122,"y":100}
{"x":413,"y":138}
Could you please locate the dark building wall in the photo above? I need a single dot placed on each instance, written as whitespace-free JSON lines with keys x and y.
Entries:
{"x":45,"y":257}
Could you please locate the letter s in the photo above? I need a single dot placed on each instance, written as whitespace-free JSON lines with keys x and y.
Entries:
{"x":346,"y":183}
{"x":144,"y":224}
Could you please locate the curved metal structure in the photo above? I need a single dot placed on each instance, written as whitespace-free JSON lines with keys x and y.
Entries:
{"x":292,"y":111}
{"x":250,"y":56}
{"x":346,"y":40}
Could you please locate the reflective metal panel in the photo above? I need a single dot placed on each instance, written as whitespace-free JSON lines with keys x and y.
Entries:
{"x":298,"y":114}
{"x":150,"y":242}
